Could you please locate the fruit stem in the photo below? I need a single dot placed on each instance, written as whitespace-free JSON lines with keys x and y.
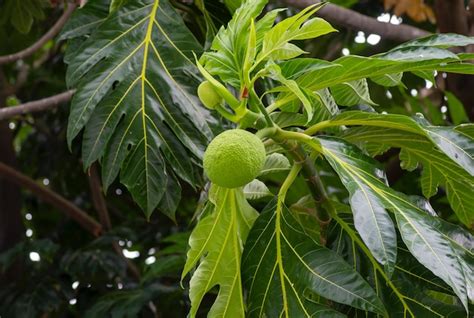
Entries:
{"x":289,"y":140}
{"x":319,"y":126}
{"x":254,"y":98}
{"x":226,"y":114}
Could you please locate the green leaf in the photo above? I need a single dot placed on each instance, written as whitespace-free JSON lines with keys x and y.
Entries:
{"x":443,"y":40}
{"x":405,"y":292}
{"x":276,"y":44}
{"x":294,"y":68}
{"x":116,"y":4}
{"x":325,"y":106}
{"x":388,"y":80}
{"x":409,"y":59}
{"x":438,"y":169}
{"x":457,"y":146}
{"x":417,"y":54}
{"x":274,"y":163}
{"x":228,"y":50}
{"x":127,"y":303}
{"x":424,"y":238}
{"x":216,"y":243}
{"x":21,"y":17}
{"x":352,"y":93}
{"x":85,"y":20}
{"x":283,"y":266}
{"x":456,"y":109}
{"x":135,"y":96}
{"x":171,"y":196}
{"x":421,"y":232}
{"x":211,"y":29}
{"x":255,"y":190}
{"x":287,"y":119}
{"x":233,"y":5}
{"x":292,"y":86}
{"x":370,"y":216}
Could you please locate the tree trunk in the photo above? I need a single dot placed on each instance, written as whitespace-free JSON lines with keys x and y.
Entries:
{"x":453,"y":17}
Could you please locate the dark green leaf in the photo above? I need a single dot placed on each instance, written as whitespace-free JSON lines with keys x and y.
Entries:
{"x":282,"y":265}
{"x":438,"y":169}
{"x":135,"y":97}
{"x":421,"y":232}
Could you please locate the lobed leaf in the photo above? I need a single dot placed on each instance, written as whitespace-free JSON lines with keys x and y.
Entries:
{"x":438,"y":169}
{"x":135,"y":97}
{"x":216,"y":244}
{"x":422,"y":233}
{"x":284,"y":269}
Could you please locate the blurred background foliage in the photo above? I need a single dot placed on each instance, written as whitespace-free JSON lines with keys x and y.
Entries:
{"x":51,"y":267}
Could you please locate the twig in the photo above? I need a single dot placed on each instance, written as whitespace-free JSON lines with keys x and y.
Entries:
{"x":51,"y":197}
{"x":101,"y":207}
{"x":359,"y":22}
{"x":36,"y":106}
{"x":45,"y":38}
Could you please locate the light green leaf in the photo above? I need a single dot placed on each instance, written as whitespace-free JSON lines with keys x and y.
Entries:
{"x":388,"y":80}
{"x":276,"y":44}
{"x":255,"y":190}
{"x":325,"y":106}
{"x":456,"y":109}
{"x":294,"y":68}
{"x":410,"y":59}
{"x":233,"y":5}
{"x":229,"y":48}
{"x":276,"y":162}
{"x":216,"y":244}
{"x":417,"y":53}
{"x":283,"y":265}
{"x":292,"y":86}
{"x":352,"y":93}
{"x":456,"y":146}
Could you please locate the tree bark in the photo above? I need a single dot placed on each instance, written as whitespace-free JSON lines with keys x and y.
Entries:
{"x":359,"y":22}
{"x":453,"y":17}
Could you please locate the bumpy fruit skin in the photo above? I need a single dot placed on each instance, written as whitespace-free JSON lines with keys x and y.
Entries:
{"x":208,"y":95}
{"x":234,"y":158}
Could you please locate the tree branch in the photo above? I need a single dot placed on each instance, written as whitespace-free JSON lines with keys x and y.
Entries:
{"x":359,"y":22}
{"x":51,"y":197}
{"x":36,"y":106}
{"x":45,"y":38}
{"x":98,"y":199}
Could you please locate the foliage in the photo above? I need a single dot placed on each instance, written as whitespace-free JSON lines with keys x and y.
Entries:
{"x":323,"y":230}
{"x":286,"y":270}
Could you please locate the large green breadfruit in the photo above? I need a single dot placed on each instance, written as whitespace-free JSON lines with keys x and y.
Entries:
{"x":234,"y":158}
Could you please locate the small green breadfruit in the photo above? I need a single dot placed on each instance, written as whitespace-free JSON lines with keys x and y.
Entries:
{"x":208,"y":95}
{"x":234,"y":158}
